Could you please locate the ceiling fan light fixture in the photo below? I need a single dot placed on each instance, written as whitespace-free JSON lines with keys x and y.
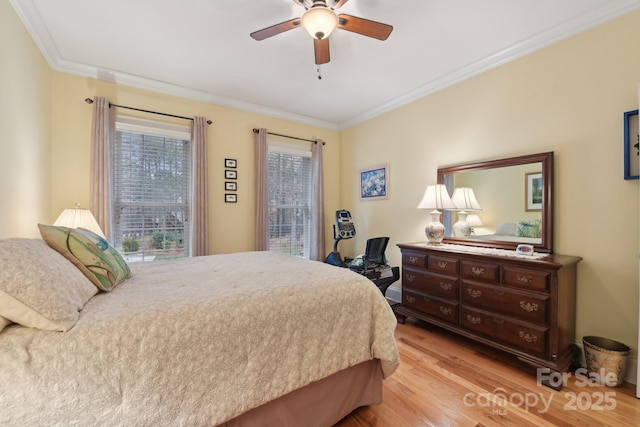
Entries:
{"x":319,"y":21}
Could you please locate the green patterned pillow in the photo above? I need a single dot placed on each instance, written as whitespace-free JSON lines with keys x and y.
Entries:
{"x":529,"y":228}
{"x":92,"y":254}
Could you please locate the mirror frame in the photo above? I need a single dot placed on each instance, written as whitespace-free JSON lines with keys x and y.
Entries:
{"x":546,"y":245}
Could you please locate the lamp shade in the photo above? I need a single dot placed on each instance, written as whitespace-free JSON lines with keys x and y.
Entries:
{"x":465,"y":199}
{"x":319,"y":20}
{"x":436,"y":197}
{"x":474,"y":220}
{"x":79,"y":218}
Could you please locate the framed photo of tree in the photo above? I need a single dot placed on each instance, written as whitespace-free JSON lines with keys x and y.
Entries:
{"x":533,"y":191}
{"x":631,"y":145}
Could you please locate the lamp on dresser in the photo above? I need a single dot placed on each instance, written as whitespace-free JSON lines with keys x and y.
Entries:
{"x":435,"y":198}
{"x":465,"y":200}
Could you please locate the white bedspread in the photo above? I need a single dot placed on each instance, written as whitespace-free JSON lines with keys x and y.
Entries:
{"x":195,"y":342}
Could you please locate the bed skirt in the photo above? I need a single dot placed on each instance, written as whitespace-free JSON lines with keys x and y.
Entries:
{"x":322,"y":403}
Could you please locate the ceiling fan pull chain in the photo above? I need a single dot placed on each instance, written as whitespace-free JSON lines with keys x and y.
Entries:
{"x":319,"y":75}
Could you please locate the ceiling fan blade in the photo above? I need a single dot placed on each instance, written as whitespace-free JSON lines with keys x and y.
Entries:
{"x":321,"y":48}
{"x":365,"y":27}
{"x":276,"y":29}
{"x":337,"y":4}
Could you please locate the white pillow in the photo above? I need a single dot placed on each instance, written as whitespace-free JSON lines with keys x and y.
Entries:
{"x":507,"y":229}
{"x":40,"y":288}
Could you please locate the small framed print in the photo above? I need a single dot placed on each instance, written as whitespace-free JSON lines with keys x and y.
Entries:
{"x":230,"y":198}
{"x":374,"y":183}
{"x":230,"y":163}
{"x":631,"y":145}
{"x":533,"y":191}
{"x":230,"y":186}
{"x":228,"y":174}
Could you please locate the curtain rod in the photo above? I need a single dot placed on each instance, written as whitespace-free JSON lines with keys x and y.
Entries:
{"x":90,"y":101}
{"x":290,"y":137}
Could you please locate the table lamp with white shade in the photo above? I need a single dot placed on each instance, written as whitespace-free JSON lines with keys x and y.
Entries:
{"x":79,"y":218}
{"x":465,"y":200}
{"x":435,"y":198}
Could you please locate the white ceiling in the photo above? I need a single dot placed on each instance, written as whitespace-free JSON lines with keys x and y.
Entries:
{"x":201,"y":49}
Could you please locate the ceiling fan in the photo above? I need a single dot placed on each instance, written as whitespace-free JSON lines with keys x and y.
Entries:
{"x":320,"y":20}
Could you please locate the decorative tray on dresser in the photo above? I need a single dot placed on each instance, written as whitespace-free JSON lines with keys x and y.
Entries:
{"x":522,"y":304}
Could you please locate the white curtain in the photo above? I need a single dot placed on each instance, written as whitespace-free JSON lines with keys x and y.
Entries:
{"x":102,"y":132}
{"x":317,"y":249}
{"x":200,"y":188}
{"x":262,"y":215}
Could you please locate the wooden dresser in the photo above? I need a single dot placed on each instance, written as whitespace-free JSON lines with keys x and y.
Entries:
{"x":523,"y":306}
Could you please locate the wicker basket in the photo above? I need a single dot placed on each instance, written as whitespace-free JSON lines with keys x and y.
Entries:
{"x":605,"y":357}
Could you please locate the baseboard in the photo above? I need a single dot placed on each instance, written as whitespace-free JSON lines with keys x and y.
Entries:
{"x":394,"y":293}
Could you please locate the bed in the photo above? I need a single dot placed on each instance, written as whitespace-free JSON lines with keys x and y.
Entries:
{"x":252,"y":338}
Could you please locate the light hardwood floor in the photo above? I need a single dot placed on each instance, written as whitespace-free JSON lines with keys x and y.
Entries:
{"x":446,"y":380}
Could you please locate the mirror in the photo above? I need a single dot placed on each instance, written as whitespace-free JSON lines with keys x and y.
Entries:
{"x":515,"y":195}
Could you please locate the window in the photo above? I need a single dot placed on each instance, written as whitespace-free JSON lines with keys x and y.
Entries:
{"x":289,"y":198}
{"x":151,"y":200}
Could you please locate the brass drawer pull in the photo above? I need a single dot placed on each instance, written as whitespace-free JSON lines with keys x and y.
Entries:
{"x":528,"y":306}
{"x":524,"y":279}
{"x":442,"y":264}
{"x":446,"y":286}
{"x":413,"y":259}
{"x":528,"y":337}
{"x":473,"y":319}
{"x":498,"y":321}
{"x":474,"y":293}
{"x":410,"y":277}
{"x":478,"y":271}
{"x":410,"y":299}
{"x":446,"y":310}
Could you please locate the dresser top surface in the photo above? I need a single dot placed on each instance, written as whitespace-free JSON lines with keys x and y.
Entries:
{"x":501,"y":255}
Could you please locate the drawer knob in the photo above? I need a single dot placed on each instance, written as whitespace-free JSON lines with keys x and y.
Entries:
{"x":528,"y":337}
{"x":474,"y":293}
{"x":413,"y":259}
{"x":474,"y":319}
{"x":524,"y":279}
{"x":478,"y":271}
{"x":410,"y":299}
{"x":446,"y":310}
{"x":528,"y":306}
{"x":446,"y":286}
{"x":442,"y":264}
{"x":410,"y":277}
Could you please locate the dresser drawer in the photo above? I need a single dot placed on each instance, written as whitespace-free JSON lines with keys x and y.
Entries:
{"x":444,"y":265}
{"x":480,"y":270}
{"x":523,"y":305}
{"x":522,"y":335}
{"x":417,"y":259}
{"x":526,"y":279}
{"x":430,"y":283}
{"x":430,"y":306}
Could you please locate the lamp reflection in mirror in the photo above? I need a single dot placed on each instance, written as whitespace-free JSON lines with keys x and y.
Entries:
{"x":465,"y":201}
{"x":79,"y":218}
{"x":319,"y":20}
{"x":436,"y":197}
{"x":474,"y":221}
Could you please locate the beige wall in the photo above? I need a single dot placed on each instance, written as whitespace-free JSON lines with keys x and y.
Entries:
{"x":25,"y":129}
{"x":230,"y":136}
{"x":568,"y":98}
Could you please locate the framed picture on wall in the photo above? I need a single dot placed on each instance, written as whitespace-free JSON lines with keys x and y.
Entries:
{"x":230,"y":186}
{"x":230,"y":174}
{"x":533,"y":191}
{"x":631,"y":145}
{"x":374,"y":183}
{"x":230,"y":163}
{"x":230,"y":198}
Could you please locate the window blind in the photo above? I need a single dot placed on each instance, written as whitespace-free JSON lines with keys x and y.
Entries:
{"x":289,"y":198}
{"x":151,"y":192}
